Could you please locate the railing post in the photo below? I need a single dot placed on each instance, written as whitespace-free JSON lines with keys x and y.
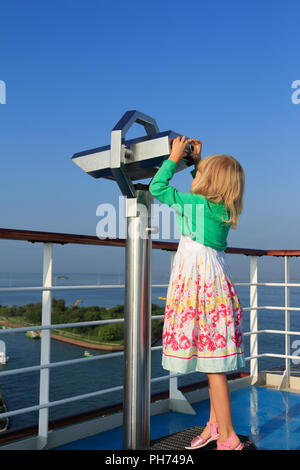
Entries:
{"x":287,"y":318}
{"x":285,"y":379}
{"x":253,"y":319}
{"x":45,"y":346}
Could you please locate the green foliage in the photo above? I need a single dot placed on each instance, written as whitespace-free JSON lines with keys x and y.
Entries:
{"x":156,"y":329}
{"x":111,"y":332}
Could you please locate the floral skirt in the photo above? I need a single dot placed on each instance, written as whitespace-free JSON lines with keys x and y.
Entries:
{"x":203,"y":315}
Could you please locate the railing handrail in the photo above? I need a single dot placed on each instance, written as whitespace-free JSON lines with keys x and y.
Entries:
{"x":63,"y":238}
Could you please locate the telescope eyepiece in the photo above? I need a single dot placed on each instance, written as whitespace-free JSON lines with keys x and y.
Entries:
{"x":189,"y":149}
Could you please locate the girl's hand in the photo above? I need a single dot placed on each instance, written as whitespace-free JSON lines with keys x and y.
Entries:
{"x":197,"y":145}
{"x":177,"y":147}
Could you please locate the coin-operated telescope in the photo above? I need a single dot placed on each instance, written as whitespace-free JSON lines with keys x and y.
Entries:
{"x":134,"y":159}
{"x":126,"y":161}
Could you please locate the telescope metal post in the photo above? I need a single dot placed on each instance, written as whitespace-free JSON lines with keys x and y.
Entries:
{"x":137,"y":334}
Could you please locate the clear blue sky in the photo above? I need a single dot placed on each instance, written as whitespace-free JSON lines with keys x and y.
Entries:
{"x":219,"y":71}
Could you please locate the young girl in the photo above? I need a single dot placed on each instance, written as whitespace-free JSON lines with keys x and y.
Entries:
{"x":203,"y":315}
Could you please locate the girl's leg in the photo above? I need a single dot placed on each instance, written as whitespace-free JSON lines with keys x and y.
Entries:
{"x":212,"y":417}
{"x":220,"y":398}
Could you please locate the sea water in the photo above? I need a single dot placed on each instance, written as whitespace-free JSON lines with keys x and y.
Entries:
{"x":20,"y":391}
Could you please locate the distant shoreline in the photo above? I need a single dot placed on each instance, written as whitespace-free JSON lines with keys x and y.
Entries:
{"x":75,"y":342}
{"x":81,"y":343}
{"x":85,"y":344}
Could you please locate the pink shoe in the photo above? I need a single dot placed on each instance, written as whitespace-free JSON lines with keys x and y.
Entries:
{"x":198,"y":441}
{"x":226,"y":446}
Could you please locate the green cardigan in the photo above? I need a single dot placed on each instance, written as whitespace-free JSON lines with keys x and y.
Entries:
{"x":196,"y":217}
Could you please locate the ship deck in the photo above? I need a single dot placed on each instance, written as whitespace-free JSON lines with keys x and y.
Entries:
{"x":269,"y":418}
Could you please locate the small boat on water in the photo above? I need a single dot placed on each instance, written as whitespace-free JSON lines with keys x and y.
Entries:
{"x":87,"y":354}
{"x":33,"y":334}
{"x":3,"y":358}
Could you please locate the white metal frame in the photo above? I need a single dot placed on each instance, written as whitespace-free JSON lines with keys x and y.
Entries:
{"x":46,"y":327}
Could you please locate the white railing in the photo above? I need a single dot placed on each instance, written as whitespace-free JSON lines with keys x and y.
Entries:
{"x":45,"y":365}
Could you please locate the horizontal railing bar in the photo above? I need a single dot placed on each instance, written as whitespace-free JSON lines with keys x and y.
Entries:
{"x":122,"y":286}
{"x":156,"y":348}
{"x":249,"y":333}
{"x":57,"y":237}
{"x":167,"y":377}
{"x":54,"y":288}
{"x":278,"y":284}
{"x":80,"y":287}
{"x":59,"y":326}
{"x":51,"y":365}
{"x":63,"y":238}
{"x":283,"y":332}
{"x":249,"y":358}
{"x":271,"y":307}
{"x":282,"y":356}
{"x":60,"y":402}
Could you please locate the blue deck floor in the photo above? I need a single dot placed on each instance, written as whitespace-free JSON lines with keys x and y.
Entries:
{"x":270,"y":418}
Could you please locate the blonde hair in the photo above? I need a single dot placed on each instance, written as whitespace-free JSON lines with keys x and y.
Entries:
{"x":222,"y":180}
